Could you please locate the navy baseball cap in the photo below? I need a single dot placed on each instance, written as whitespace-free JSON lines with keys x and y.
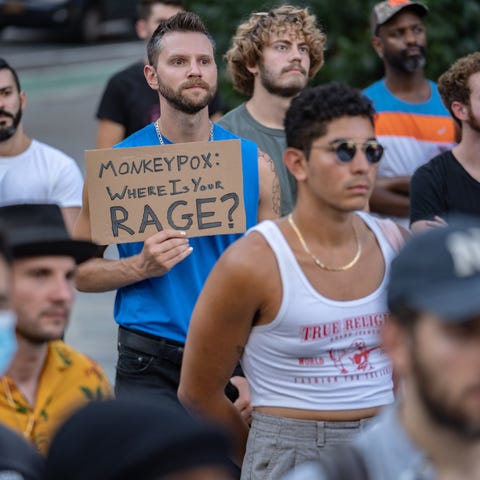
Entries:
{"x":382,"y":12}
{"x":438,"y":271}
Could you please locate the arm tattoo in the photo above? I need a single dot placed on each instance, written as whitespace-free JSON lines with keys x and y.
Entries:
{"x":276,"y":193}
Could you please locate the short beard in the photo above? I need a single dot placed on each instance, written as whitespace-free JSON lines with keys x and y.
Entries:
{"x":408,"y":64}
{"x":436,"y":404}
{"x":8,"y":132}
{"x":472,"y":121}
{"x":36,"y":338}
{"x":284,"y":91}
{"x":185,"y":104}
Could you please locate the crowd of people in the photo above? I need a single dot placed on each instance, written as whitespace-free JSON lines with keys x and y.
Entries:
{"x":337,"y":336}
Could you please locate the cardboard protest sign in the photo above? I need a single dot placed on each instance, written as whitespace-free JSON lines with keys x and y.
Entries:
{"x":136,"y":192}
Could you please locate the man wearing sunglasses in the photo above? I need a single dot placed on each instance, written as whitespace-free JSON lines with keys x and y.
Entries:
{"x":300,"y":301}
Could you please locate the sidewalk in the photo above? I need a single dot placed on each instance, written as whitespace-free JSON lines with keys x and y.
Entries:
{"x":93,"y":331}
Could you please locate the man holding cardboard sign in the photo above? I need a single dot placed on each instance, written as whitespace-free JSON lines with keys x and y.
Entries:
{"x":158,"y":281}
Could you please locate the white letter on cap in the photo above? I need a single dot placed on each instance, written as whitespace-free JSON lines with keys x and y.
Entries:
{"x":465,"y":251}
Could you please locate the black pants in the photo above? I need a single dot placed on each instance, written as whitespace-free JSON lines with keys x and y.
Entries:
{"x":146,"y":366}
{"x":150,"y":366}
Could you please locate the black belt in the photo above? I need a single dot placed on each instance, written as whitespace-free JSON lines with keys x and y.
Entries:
{"x":149,"y":345}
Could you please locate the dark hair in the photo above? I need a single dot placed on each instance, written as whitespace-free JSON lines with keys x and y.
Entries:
{"x":4,"y":65}
{"x":5,"y":250}
{"x":314,"y":108}
{"x":144,"y":7}
{"x":181,"y":22}
{"x":453,"y":84}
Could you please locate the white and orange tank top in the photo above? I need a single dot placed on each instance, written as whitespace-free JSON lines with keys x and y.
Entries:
{"x":412,"y":133}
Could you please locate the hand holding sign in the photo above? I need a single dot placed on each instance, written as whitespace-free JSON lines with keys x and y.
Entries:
{"x":161,"y":252}
{"x":136,"y":192}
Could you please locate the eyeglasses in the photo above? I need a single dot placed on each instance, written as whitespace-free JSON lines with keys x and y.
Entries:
{"x":345,"y":150}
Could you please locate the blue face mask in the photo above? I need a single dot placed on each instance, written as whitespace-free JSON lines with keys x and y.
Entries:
{"x":8,"y":340}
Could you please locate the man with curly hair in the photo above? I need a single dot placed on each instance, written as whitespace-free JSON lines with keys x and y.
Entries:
{"x":450,"y":182}
{"x":287,"y":302}
{"x":272,"y":57}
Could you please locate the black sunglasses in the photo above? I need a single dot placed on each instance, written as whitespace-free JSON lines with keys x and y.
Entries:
{"x":345,"y":150}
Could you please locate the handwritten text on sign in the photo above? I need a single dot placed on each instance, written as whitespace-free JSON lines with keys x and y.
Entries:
{"x":136,"y":192}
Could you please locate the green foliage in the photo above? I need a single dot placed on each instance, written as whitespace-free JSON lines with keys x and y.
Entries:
{"x":452,"y":27}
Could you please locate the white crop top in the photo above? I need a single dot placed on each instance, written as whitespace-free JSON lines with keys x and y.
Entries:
{"x":319,"y":353}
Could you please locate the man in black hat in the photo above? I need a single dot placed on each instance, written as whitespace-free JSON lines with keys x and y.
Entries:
{"x":47,"y":379}
{"x":412,"y":121}
{"x":18,"y":458}
{"x":433,"y":338}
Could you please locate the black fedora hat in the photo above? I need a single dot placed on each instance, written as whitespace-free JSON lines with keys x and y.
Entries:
{"x":38,"y":229}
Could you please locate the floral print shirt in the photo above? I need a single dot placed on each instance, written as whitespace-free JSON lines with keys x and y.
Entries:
{"x":68,"y":381}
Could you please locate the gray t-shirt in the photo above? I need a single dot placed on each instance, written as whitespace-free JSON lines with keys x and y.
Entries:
{"x":387,"y":451}
{"x":269,"y":140}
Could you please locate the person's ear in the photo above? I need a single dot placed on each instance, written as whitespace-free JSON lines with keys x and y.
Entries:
{"x":377,"y":46}
{"x":460,"y":110}
{"x":23,"y":100}
{"x":296,"y":163}
{"x":151,"y":76}
{"x":252,"y":69}
{"x":141,"y":29}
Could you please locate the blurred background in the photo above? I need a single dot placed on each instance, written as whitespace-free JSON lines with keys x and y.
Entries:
{"x":67,"y":49}
{"x":452,"y":28}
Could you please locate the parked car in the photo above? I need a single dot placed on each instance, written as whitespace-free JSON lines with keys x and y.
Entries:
{"x":82,"y":20}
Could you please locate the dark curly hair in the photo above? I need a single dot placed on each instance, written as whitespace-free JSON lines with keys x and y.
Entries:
{"x":453,"y":84}
{"x":314,"y":108}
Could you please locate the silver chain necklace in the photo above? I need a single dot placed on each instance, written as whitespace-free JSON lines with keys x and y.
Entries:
{"x":160,"y":136}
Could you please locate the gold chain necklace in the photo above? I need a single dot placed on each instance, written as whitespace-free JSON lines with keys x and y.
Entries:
{"x":317,"y":261}
{"x":31,"y":418}
{"x":160,"y":136}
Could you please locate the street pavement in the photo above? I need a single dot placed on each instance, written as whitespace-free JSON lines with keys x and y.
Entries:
{"x":63,"y":85}
{"x":92,"y":329}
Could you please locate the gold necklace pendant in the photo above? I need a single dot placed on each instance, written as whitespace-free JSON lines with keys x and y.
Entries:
{"x":160,"y":136}
{"x":316,"y":260}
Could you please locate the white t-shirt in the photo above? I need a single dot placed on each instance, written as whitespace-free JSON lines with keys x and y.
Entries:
{"x":41,"y":174}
